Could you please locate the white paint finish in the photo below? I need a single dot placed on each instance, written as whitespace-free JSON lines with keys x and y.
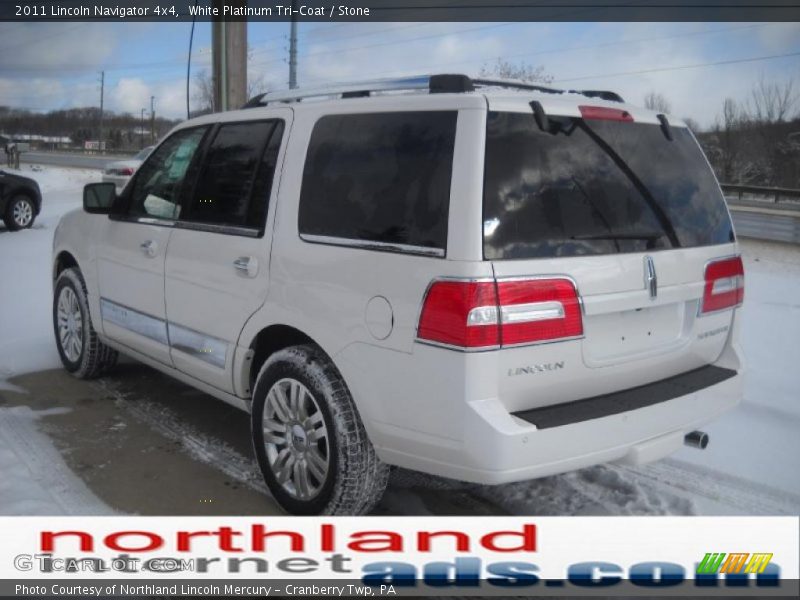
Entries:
{"x":379,"y":317}
{"x":132,"y":276}
{"x":433,"y":409}
{"x":214,"y":282}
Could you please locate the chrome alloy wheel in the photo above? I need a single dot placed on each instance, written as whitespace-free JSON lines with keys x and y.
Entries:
{"x":70,"y":324}
{"x":22,"y":213}
{"x":296,"y":439}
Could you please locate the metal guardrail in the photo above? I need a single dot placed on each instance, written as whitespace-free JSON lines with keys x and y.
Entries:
{"x":767,"y":213}
{"x":763,"y":194}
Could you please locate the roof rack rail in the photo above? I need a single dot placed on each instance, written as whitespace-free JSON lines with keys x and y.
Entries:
{"x":434,"y":84}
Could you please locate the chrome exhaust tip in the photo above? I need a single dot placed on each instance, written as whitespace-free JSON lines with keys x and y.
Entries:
{"x":696,"y":439}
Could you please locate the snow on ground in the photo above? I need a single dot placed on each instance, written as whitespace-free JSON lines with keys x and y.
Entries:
{"x":750,"y":467}
{"x":35,"y":480}
{"x":26,"y":330}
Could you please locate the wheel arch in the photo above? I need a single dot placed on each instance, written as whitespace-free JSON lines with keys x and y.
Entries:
{"x":64,"y":260}
{"x":270,"y":340}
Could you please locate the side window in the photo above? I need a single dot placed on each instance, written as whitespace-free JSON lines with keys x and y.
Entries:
{"x":382,"y":177}
{"x":157,"y":189}
{"x":236,"y":176}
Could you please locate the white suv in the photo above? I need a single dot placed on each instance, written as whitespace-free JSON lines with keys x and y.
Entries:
{"x":482,"y":280}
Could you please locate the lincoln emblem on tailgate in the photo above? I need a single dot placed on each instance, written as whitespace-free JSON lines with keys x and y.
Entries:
{"x":650,"y":279}
{"x":531,"y":369}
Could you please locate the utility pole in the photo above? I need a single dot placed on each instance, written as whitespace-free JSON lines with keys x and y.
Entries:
{"x":229,"y":60}
{"x":141,"y":129}
{"x":152,"y":119}
{"x":293,"y":48}
{"x":102,"y":93}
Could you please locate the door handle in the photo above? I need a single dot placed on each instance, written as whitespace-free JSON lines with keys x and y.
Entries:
{"x":247,"y":264}
{"x":149,"y":247}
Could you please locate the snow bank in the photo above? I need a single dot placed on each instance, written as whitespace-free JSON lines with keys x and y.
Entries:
{"x":35,"y":480}
{"x":26,"y":331}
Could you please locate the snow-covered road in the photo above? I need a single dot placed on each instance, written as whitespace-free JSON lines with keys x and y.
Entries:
{"x":752,"y":465}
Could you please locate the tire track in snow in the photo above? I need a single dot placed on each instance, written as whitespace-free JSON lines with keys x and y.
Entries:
{"x":742,"y":494}
{"x":204,"y":448}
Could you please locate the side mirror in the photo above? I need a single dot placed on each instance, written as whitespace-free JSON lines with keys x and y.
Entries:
{"x":98,"y":198}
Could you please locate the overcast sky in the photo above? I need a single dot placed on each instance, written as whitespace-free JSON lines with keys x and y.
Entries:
{"x":45,"y":66}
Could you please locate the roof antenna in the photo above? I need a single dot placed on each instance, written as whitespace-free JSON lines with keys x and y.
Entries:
{"x":541,"y":117}
{"x":665,"y":128}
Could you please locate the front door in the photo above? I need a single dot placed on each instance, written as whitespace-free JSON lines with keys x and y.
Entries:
{"x":133,"y":245}
{"x":218,"y":258}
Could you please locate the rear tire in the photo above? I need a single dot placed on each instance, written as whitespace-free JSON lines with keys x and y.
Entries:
{"x":310,"y":443}
{"x":20,"y":213}
{"x":82,"y":353}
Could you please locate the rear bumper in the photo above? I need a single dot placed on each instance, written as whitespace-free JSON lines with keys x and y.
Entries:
{"x":500,"y":447}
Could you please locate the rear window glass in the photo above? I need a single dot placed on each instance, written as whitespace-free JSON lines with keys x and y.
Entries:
{"x":596,"y":187}
{"x":381,"y":178}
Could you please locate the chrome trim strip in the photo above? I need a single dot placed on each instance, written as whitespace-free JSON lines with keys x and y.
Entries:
{"x":133,"y":320}
{"x":252,"y":232}
{"x":369,"y":245}
{"x":204,"y":347}
{"x":533,"y":311}
{"x":456,"y":348}
{"x":209,"y":349}
{"x":650,"y":277}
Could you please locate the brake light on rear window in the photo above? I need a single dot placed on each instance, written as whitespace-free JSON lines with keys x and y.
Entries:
{"x":724,"y":285}
{"x":487,"y":314}
{"x":603,"y":113}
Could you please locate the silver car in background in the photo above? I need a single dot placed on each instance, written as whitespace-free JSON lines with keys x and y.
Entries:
{"x":120,"y":172}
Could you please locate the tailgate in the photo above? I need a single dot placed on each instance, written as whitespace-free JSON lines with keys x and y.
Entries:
{"x":631,"y":214}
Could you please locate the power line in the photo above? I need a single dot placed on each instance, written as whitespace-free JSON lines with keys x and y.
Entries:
{"x":573,"y":48}
{"x":391,"y":43}
{"x":681,"y":67}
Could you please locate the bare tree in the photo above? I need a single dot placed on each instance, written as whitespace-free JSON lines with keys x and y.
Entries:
{"x":773,"y":102}
{"x":771,"y":105}
{"x":729,"y":139}
{"x":693,"y":125}
{"x":256,"y":84}
{"x":656,"y":101}
{"x":203,"y":95}
{"x":522,"y":71}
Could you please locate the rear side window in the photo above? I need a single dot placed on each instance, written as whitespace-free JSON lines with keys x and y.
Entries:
{"x":234,"y":183}
{"x":596,"y":187}
{"x":381,"y":179}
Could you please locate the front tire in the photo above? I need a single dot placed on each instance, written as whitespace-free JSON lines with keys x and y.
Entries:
{"x":20,"y":213}
{"x":310,"y":443}
{"x":82,"y":353}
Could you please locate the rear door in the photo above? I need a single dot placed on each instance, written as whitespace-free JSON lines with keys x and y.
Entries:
{"x":217,"y":266}
{"x":132,"y":246}
{"x":632,"y":218}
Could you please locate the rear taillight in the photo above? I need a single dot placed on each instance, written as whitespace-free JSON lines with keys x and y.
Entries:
{"x":538,"y":310}
{"x":126,"y":171}
{"x":724,"y":285}
{"x":460,"y":313}
{"x":603,"y":113}
{"x":487,"y":314}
